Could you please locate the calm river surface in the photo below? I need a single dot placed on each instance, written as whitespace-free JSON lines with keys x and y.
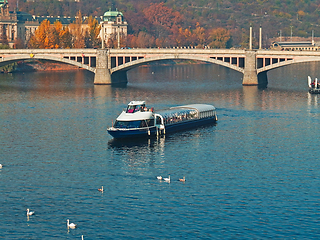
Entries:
{"x":254,"y":175}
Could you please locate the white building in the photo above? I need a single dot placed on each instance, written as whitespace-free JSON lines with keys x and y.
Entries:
{"x":113,"y":27}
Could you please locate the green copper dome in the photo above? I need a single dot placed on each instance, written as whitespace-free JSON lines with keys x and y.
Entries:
{"x":111,"y":15}
{"x":2,"y":2}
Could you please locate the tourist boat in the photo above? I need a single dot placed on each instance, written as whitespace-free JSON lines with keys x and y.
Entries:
{"x":314,"y":86}
{"x":139,"y":121}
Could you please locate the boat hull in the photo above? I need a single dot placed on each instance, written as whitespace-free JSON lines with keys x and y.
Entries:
{"x":153,"y":131}
{"x":131,"y":133}
{"x":314,"y":90}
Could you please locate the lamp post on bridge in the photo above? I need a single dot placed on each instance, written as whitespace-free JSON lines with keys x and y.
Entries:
{"x":260,"y":37}
{"x":250,"y":38}
{"x":102,"y":44}
{"x":118,"y":37}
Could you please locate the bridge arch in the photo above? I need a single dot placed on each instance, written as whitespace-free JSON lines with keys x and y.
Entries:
{"x":12,"y":59}
{"x":286,"y":63}
{"x":129,"y":65}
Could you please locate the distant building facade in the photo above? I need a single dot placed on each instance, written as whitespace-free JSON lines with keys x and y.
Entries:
{"x":16,"y":25}
{"x":295,"y":46}
{"x":113,"y":27}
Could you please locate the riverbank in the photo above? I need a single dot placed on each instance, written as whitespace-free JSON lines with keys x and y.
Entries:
{"x":38,"y":65}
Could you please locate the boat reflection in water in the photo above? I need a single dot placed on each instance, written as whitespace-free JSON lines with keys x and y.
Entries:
{"x":139,"y":121}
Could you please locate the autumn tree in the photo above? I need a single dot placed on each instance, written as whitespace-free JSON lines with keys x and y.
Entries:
{"x":183,"y":37}
{"x":163,"y":18}
{"x":145,"y":40}
{"x":78,"y":32}
{"x":92,"y":38}
{"x":43,"y":37}
{"x":65,"y":38}
{"x":50,"y":36}
{"x":18,"y":43}
{"x":218,"y":38}
{"x":131,"y":40}
{"x":200,"y":35}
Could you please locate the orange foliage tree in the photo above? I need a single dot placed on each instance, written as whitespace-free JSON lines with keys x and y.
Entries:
{"x":78,"y":32}
{"x":46,"y":36}
{"x":92,"y":38}
{"x":218,"y":38}
{"x":162,"y":18}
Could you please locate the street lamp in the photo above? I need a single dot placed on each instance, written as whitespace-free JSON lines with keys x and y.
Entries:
{"x":118,"y":36}
{"x":102,"y":44}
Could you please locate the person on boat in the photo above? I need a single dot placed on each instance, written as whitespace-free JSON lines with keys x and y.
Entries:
{"x":130,"y":109}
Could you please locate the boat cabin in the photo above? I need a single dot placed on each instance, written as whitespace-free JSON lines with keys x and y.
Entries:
{"x":186,"y":113}
{"x":135,"y":106}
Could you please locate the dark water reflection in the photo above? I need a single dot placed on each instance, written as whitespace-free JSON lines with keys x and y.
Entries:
{"x":254,"y":175}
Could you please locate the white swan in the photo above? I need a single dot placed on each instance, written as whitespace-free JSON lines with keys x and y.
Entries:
{"x":71,"y":225}
{"x":159,"y":177}
{"x":100,"y":189}
{"x":0,"y":165}
{"x":29,"y":213}
{"x":167,"y":179}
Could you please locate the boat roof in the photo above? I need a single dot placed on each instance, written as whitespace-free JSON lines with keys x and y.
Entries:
{"x":198,"y":107}
{"x":136,"y":103}
{"x":135,"y":116}
{"x":180,"y":110}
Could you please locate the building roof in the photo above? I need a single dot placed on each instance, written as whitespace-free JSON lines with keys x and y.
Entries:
{"x":63,"y":20}
{"x":111,"y":15}
{"x":23,"y":16}
{"x":292,"y":44}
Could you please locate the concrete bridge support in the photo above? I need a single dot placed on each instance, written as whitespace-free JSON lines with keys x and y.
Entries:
{"x":102,"y":75}
{"x":250,"y":76}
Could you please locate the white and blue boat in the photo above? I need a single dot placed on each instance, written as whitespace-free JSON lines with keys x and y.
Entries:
{"x":314,"y":86}
{"x":139,"y":121}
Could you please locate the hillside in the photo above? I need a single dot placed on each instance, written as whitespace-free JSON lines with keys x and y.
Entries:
{"x":300,"y":16}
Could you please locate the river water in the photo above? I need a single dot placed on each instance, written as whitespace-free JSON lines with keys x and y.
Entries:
{"x":253,"y":175}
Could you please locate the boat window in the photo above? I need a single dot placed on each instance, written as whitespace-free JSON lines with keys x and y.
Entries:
{"x":131,"y":108}
{"x":158,"y":120}
{"x":179,"y":115}
{"x":136,"y":108}
{"x":128,"y":124}
{"x":150,"y":122}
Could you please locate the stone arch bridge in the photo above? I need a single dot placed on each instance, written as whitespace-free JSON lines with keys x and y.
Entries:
{"x":111,"y":65}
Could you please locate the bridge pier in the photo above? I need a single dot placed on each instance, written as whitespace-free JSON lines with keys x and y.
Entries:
{"x":250,"y":77}
{"x":102,"y":74}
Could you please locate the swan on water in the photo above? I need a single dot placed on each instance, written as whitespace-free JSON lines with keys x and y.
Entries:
{"x":100,"y":189}
{"x":29,"y":213}
{"x":167,"y":179}
{"x":0,"y":165}
{"x":71,"y":225}
{"x":182,"y":179}
{"x":159,"y":177}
